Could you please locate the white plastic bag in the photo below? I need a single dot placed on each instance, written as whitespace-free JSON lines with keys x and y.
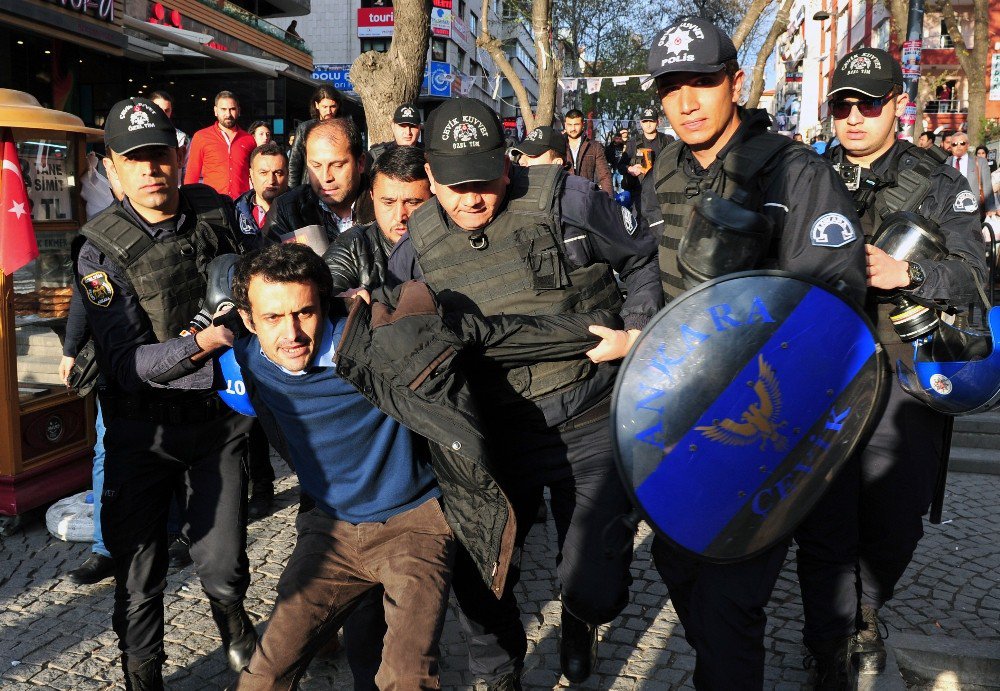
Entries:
{"x":72,"y":518}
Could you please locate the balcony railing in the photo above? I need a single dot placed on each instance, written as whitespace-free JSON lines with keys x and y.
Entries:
{"x":953,"y":106}
{"x":262,"y":25}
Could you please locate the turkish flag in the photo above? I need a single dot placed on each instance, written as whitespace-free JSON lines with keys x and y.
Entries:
{"x":17,"y":235}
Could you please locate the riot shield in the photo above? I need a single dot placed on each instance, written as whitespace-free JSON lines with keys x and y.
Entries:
{"x":738,"y":405}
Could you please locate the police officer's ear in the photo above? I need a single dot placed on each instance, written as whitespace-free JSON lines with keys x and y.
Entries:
{"x":113,"y":180}
{"x":430,"y":177}
{"x":247,"y":321}
{"x":901,"y":101}
{"x":361,"y":162}
{"x":737,"y":83}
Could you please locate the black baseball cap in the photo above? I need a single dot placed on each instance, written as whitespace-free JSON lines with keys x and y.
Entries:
{"x":690,"y":45}
{"x":540,"y":140}
{"x":135,"y":123}
{"x":648,"y":114}
{"x":407,"y":114}
{"x":464,"y":142}
{"x":869,"y":71}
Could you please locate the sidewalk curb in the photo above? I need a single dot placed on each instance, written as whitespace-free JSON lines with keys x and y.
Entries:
{"x":891,"y":679}
{"x":966,"y":661}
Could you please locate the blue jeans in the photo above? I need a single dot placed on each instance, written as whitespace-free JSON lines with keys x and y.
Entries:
{"x":98,"y":480}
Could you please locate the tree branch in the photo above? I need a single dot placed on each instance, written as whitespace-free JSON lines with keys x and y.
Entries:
{"x":780,"y":24}
{"x":746,"y":25}
{"x":493,"y":46}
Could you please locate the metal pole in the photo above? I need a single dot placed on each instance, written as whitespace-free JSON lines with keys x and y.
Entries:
{"x":910,"y":61}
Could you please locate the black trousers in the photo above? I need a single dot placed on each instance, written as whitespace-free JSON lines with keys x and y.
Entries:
{"x":145,"y":461}
{"x":721,"y":607}
{"x":259,"y":455}
{"x":593,"y":565}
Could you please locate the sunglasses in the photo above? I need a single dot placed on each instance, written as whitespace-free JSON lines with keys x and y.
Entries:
{"x":868,"y":107}
{"x":954,"y":143}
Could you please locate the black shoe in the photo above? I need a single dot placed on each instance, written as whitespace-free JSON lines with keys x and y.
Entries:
{"x":834,"y":671}
{"x":261,"y":499}
{"x":179,"y":553}
{"x":577,"y":648}
{"x":869,"y":648}
{"x":239,"y":637}
{"x":146,"y":675}
{"x":506,"y":682}
{"x":96,"y":568}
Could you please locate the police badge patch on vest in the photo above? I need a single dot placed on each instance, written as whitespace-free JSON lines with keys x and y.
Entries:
{"x":965,"y":201}
{"x":832,"y":230}
{"x":98,"y":288}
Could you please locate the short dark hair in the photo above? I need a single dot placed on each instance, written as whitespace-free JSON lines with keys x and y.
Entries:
{"x":947,"y":133}
{"x":405,"y":163}
{"x":225,"y":94}
{"x":269,"y":149}
{"x":161,"y":95}
{"x":574,"y":113}
{"x":323,"y":91}
{"x":334,"y":129}
{"x":258,"y":123}
{"x":930,"y":136}
{"x":281,"y":263}
{"x":731,"y":67}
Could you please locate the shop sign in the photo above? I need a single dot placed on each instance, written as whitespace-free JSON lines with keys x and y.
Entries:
{"x":441,"y":22}
{"x":98,"y":9}
{"x":995,"y":77}
{"x":460,"y":33}
{"x":47,"y":179}
{"x":375,"y":22}
{"x":438,"y":79}
{"x":443,"y":4}
{"x":336,"y":75}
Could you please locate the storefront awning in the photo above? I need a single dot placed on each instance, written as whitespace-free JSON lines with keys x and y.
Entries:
{"x":198,"y":43}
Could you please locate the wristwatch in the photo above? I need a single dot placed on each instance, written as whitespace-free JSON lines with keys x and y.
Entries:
{"x":915,"y":274}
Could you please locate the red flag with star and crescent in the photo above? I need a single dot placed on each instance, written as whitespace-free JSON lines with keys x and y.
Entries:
{"x":17,"y":235}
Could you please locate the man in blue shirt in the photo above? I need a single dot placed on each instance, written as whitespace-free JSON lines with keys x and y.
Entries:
{"x":376,"y":516}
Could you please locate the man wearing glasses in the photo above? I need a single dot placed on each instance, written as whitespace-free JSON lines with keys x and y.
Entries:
{"x":900,"y":463}
{"x":976,"y":171}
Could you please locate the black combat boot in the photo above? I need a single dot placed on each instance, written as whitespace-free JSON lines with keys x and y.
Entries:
{"x":239,"y":638}
{"x":143,"y":675}
{"x":869,"y":649}
{"x":834,"y":671}
{"x":577,"y":647}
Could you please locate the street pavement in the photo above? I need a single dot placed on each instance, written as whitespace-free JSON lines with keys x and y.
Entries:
{"x":54,"y":634}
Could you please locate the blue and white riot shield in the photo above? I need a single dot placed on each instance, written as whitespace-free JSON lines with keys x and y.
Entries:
{"x":738,"y":405}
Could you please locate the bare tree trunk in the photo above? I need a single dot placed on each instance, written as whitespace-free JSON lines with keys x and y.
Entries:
{"x":384,"y":81}
{"x":899,"y":12}
{"x":973,"y":61}
{"x":494,"y":47}
{"x":780,"y":24}
{"x":549,"y":67}
{"x":754,"y":12}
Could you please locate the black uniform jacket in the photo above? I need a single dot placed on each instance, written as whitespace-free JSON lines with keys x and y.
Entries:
{"x":408,"y":360}
{"x":804,"y":197}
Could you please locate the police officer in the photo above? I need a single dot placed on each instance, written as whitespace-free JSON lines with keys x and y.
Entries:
{"x":498,"y":238}
{"x":406,"y":127}
{"x":142,"y":270}
{"x":727,"y":150}
{"x":900,"y":463}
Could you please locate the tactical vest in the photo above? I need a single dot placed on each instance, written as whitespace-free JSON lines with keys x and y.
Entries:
{"x":519,"y":268}
{"x":677,"y":193}
{"x":167,"y":274}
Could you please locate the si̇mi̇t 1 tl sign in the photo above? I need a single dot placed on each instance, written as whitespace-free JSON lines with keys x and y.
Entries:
{"x":738,"y":405}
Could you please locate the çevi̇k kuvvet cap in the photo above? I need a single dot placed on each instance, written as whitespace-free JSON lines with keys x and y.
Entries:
{"x":540,"y":140}
{"x":464,"y":142}
{"x":868,"y":71}
{"x":137,"y":122}
{"x":407,"y":114}
{"x":690,"y":45}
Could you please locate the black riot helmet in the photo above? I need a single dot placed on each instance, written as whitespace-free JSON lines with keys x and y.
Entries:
{"x":722,"y":237}
{"x":905,"y":236}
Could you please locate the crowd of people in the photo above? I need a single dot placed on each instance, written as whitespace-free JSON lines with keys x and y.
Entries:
{"x":428,"y":331}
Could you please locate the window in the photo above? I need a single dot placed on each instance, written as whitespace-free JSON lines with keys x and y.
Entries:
{"x":378,"y":44}
{"x":458,"y":59}
{"x":439,"y":49}
{"x":461,"y":9}
{"x":946,"y":41}
{"x":473,"y":24}
{"x":880,"y":36}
